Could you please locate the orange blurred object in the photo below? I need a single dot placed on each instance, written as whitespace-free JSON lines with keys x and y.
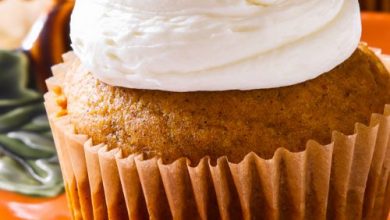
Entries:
{"x":375,"y":5}
{"x":48,"y":40}
{"x":16,"y":206}
{"x":376,"y":32}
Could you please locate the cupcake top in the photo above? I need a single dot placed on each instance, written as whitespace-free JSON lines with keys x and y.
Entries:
{"x":213,"y":45}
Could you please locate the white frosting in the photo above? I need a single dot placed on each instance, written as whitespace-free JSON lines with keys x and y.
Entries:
{"x":212,"y":45}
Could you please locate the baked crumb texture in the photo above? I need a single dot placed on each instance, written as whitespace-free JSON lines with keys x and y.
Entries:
{"x":172,"y":125}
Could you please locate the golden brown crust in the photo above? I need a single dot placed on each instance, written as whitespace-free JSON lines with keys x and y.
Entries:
{"x":230,"y":123}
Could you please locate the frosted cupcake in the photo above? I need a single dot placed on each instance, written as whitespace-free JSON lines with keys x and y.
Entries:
{"x":221,"y":109}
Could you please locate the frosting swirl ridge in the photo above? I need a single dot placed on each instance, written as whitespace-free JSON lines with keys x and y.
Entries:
{"x":213,"y":45}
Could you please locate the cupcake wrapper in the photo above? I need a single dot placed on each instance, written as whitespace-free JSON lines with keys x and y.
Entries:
{"x":347,"y":179}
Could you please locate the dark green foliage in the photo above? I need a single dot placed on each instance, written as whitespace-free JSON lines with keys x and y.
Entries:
{"x":28,"y":160}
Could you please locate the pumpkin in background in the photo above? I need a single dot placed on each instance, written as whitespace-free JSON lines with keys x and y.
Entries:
{"x":375,"y":5}
{"x":47,"y":41}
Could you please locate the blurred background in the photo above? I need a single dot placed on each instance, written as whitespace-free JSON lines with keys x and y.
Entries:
{"x":375,"y":5}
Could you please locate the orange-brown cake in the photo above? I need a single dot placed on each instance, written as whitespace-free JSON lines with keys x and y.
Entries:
{"x":171,"y":125}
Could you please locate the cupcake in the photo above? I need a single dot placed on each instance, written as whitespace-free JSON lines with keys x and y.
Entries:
{"x":221,"y":110}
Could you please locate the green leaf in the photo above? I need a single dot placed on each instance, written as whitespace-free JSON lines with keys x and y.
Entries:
{"x":13,"y":80}
{"x":38,"y":124}
{"x":14,"y":178}
{"x":28,"y":161}
{"x":19,"y":116}
{"x":34,"y":141}
{"x":24,"y":150}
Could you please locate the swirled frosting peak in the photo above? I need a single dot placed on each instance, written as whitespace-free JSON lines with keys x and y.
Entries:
{"x":213,"y":45}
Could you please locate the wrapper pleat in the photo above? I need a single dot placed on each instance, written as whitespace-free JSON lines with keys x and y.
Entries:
{"x":95,"y":180}
{"x":347,"y":179}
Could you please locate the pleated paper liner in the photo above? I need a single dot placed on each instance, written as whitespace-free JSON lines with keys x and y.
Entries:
{"x":347,"y":179}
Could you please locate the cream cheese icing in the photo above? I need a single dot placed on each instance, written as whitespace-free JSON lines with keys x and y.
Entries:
{"x":213,"y":45}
